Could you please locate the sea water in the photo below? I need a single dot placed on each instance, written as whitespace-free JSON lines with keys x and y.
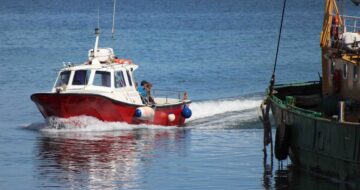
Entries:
{"x":220,"y":51}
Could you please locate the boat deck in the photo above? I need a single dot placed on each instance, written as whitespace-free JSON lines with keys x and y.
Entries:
{"x":307,"y":98}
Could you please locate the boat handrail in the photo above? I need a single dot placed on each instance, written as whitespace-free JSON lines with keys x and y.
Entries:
{"x":164,"y":93}
{"x":298,"y":84}
{"x":351,"y":22}
{"x":284,"y":104}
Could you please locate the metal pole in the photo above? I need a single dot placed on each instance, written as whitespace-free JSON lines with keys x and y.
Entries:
{"x":342,"y":109}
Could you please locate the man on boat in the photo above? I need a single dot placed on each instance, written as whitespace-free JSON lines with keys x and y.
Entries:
{"x":141,"y":88}
{"x":145,"y":92}
{"x":149,"y":98}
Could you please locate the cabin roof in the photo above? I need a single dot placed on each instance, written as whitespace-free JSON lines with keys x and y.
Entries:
{"x":113,"y":66}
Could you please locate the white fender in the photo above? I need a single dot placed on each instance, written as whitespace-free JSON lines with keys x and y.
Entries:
{"x":144,"y":113}
{"x":171,"y":117}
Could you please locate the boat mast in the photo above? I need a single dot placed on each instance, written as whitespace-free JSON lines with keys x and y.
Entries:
{"x":97,"y":33}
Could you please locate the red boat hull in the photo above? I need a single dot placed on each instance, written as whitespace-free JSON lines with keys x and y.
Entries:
{"x":103,"y":108}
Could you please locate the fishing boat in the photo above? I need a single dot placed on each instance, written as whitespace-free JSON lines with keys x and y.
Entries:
{"x":318,"y":122}
{"x":104,"y":87}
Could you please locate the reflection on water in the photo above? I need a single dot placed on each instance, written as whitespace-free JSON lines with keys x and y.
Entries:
{"x":104,"y":160}
{"x":290,"y":177}
{"x":268,"y":174}
{"x":165,"y":159}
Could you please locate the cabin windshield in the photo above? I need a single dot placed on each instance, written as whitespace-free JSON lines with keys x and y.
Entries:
{"x":129,"y":77}
{"x":102,"y":78}
{"x":63,"y":78}
{"x":119,"y":79}
{"x":81,"y":77}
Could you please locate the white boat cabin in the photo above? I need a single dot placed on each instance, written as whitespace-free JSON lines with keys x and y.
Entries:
{"x":114,"y":80}
{"x":105,"y":75}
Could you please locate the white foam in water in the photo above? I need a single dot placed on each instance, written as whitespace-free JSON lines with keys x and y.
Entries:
{"x":200,"y":110}
{"x":87,"y":123}
{"x":211,"y":108}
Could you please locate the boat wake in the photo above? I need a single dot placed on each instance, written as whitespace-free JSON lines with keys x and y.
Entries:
{"x":241,"y":112}
{"x":227,"y":113}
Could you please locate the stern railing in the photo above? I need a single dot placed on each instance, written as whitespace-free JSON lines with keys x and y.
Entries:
{"x":169,"y":94}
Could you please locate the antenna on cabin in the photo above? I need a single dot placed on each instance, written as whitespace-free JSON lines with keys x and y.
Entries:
{"x":97,"y":33}
{"x":113,"y":23}
{"x":98,"y":24}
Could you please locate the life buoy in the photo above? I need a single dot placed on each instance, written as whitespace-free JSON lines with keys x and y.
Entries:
{"x":122,"y":61}
{"x":282,"y":142}
{"x":337,"y":81}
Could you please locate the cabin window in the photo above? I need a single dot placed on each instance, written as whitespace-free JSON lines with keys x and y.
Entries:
{"x":332,"y":67}
{"x":81,"y":77}
{"x":129,"y":77}
{"x":63,"y":78}
{"x":345,"y":70}
{"x":355,"y":72}
{"x":102,"y":78}
{"x":119,"y":79}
